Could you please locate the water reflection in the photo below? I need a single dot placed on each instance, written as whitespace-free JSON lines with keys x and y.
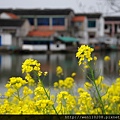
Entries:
{"x":10,"y":65}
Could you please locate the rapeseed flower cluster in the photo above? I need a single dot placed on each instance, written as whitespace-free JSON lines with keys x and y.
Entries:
{"x":25,"y":96}
{"x":111,"y":99}
{"x":66,"y":103}
{"x":84,"y":54}
{"x":31,"y":65}
{"x":65,"y":84}
{"x":85,"y":102}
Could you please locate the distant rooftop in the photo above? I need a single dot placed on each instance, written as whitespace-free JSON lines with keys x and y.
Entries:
{"x":11,"y":15}
{"x":110,"y":18}
{"x":6,"y":10}
{"x":11,"y":22}
{"x":66,"y":11}
{"x":38,"y":11}
{"x":89,"y":15}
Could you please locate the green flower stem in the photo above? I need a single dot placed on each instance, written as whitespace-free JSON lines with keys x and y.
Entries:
{"x":48,"y":96}
{"x":44,"y":90}
{"x":18,"y":94}
{"x":99,"y":96}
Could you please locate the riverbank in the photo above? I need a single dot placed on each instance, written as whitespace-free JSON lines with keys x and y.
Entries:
{"x":20,"y":51}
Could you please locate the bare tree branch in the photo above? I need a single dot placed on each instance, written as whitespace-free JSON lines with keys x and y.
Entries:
{"x":106,"y":7}
{"x":114,"y":5}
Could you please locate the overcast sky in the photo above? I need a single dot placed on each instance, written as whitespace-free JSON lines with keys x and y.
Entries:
{"x":76,"y":5}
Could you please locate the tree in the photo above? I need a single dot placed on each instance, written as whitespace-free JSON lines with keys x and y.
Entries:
{"x":106,"y":7}
{"x":114,"y":5}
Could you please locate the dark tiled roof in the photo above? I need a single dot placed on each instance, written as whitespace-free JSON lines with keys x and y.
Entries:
{"x":6,"y":10}
{"x":89,"y":15}
{"x":112,"y":18}
{"x":11,"y":22}
{"x":42,"y":12}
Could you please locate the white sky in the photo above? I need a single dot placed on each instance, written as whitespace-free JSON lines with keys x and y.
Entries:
{"x":85,"y":6}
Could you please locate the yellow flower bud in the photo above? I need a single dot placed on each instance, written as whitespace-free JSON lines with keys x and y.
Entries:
{"x":95,"y":58}
{"x":7,"y":85}
{"x":106,"y":58}
{"x":73,"y":74}
{"x":45,"y":73}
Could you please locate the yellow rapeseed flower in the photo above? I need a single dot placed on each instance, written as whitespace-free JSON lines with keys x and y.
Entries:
{"x":9,"y":92}
{"x":13,"y":80}
{"x":99,"y":80}
{"x":61,"y":83}
{"x":115,"y":99}
{"x":59,"y":71}
{"x":87,"y":85}
{"x":68,"y":83}
{"x":8,"y":85}
{"x":29,"y":79}
{"x":86,"y":66}
{"x":29,"y":65}
{"x":18,"y":85}
{"x":80,"y":90}
{"x":106,"y":58}
{"x":119,"y":63}
{"x":55,"y":84}
{"x":95,"y":58}
{"x":45,"y":73}
{"x":27,"y":91}
{"x":73,"y":74}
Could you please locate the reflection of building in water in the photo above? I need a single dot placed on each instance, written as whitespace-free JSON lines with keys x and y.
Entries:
{"x":108,"y":69}
{"x":5,"y":62}
{"x":5,"y":66}
{"x":0,"y":61}
{"x":111,"y":67}
{"x":10,"y":66}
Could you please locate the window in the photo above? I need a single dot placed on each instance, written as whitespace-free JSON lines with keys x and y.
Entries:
{"x":106,"y":27}
{"x":58,"y":21}
{"x":116,"y":27}
{"x":91,"y":23}
{"x":78,"y":24}
{"x":118,"y":37}
{"x":31,"y":20}
{"x":91,"y":34}
{"x":43,"y":21}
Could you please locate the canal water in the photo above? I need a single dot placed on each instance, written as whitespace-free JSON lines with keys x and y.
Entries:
{"x":10,"y":66}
